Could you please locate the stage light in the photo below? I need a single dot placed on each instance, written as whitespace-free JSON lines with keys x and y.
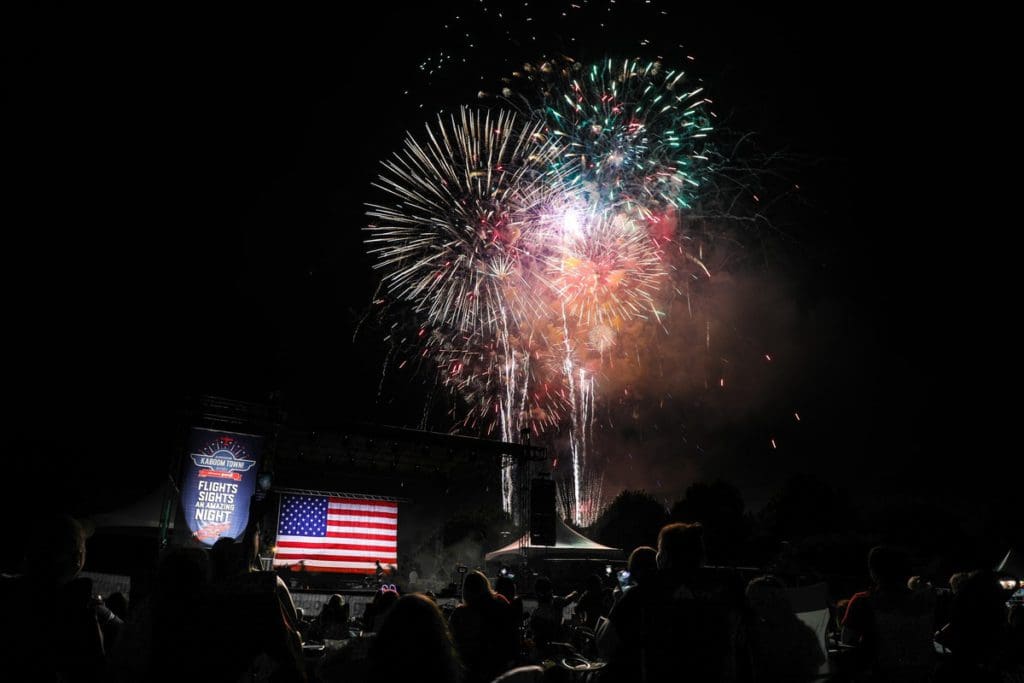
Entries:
{"x":1008,"y":584}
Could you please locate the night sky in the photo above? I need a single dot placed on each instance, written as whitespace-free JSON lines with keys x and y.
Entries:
{"x":185,"y":196}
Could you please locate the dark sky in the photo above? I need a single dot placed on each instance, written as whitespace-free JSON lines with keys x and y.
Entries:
{"x":185,"y":196}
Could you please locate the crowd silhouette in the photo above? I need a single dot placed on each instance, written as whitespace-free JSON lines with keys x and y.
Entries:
{"x":214,"y":615}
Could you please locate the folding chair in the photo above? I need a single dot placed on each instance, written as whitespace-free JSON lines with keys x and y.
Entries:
{"x":810,"y":603}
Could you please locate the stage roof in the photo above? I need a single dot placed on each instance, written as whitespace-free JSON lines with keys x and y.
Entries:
{"x":381,"y":448}
{"x":569,"y":544}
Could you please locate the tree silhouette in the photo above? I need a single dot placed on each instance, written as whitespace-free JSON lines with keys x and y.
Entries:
{"x":633,"y":519}
{"x":807,"y":506}
{"x":720,"y":508}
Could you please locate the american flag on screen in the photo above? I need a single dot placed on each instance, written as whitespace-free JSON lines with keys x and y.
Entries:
{"x":329,"y":534}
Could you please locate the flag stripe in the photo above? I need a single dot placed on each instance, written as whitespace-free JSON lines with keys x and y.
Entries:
{"x":362,"y":504}
{"x":318,"y":533}
{"x":346,"y":549}
{"x":349,"y":555}
{"x":344,"y":515}
{"x":354,"y":524}
{"x":374,"y":517}
{"x":346,"y":564}
{"x":357,"y":532}
{"x":371,"y":510}
{"x":341,"y":570}
{"x":305,"y":542}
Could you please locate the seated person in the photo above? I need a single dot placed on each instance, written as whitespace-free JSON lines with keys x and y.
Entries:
{"x":332,"y":622}
{"x":546,"y":619}
{"x":891,"y":624}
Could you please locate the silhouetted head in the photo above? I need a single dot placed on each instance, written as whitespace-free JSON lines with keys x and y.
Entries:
{"x":956,"y":579}
{"x":768,"y":594}
{"x":336,"y":608}
{"x":378,"y":609}
{"x":681,"y":546}
{"x":413,"y":643}
{"x":542,"y":587}
{"x":56,"y":549}
{"x":476,"y":589}
{"x":918,"y":583}
{"x":227,"y":558}
{"x":978,"y":614}
{"x":643,"y":563}
{"x":505,"y":586}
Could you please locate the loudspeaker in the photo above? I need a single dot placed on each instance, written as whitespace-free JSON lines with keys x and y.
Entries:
{"x":542,"y":512}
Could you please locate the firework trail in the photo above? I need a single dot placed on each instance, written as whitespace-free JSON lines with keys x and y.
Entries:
{"x":635,"y":148}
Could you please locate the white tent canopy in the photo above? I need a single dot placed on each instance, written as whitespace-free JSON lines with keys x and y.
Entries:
{"x":569,"y":544}
{"x":144,"y":513}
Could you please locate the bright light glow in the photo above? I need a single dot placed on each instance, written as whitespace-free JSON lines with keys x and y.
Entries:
{"x":571,"y":224}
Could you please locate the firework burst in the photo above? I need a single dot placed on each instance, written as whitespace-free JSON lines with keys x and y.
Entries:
{"x":634,"y":132}
{"x":506,"y":381}
{"x":451,"y":240}
{"x":531,"y":246}
{"x":610,"y":270}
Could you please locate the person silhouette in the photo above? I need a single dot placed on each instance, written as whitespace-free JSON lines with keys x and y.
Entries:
{"x":686,"y":622}
{"x":59,"y":632}
{"x":892,"y":625}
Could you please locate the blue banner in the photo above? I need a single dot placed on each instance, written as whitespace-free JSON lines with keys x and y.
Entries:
{"x":219,"y":480}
